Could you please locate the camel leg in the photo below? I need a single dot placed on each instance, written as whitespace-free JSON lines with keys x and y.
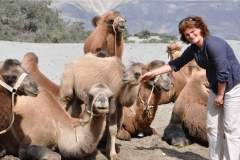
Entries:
{"x":2,"y":151}
{"x":66,"y":88}
{"x":174,"y":135}
{"x":111,"y":137}
{"x":122,"y":134}
{"x":38,"y":152}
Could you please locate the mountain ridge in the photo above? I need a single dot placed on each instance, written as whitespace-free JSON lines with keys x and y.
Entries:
{"x":222,"y":17}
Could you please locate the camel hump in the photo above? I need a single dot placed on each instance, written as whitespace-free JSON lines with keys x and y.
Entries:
{"x":96,"y":20}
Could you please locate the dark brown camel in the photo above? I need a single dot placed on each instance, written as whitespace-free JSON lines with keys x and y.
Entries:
{"x":10,"y":71}
{"x":139,"y":117}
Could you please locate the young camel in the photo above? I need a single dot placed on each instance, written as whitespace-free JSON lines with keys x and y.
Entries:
{"x":89,"y":70}
{"x":10,"y":71}
{"x":42,"y":125}
{"x":107,"y":36}
{"x":139,"y":117}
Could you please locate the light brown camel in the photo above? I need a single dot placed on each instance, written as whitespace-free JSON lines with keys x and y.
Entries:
{"x":103,"y":38}
{"x":174,"y":51}
{"x":10,"y":71}
{"x":189,"y":112}
{"x":30,"y":64}
{"x":181,"y":77}
{"x":139,"y":117}
{"x":88,"y":70}
{"x":42,"y":125}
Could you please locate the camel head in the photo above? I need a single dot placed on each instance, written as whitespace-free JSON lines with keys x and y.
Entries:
{"x":99,"y":97}
{"x":132,"y":75}
{"x":172,"y":48}
{"x":162,"y":82}
{"x":10,"y":72}
{"x":116,"y":20}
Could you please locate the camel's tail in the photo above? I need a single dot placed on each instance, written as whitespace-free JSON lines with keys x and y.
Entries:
{"x":96,"y":20}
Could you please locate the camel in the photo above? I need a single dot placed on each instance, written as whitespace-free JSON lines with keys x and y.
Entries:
{"x":30,"y":64}
{"x":10,"y":71}
{"x":174,"y":51}
{"x":88,"y":70}
{"x":181,"y":77}
{"x":189,"y":113}
{"x":139,"y":117}
{"x":107,"y":35}
{"x":43,"y":126}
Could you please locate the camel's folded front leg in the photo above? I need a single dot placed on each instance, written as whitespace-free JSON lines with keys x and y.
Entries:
{"x":38,"y":152}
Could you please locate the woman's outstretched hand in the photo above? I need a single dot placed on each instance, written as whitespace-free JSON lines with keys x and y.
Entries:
{"x":146,"y":76}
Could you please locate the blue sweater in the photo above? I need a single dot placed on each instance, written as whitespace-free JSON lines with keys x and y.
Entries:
{"x":217,"y":57}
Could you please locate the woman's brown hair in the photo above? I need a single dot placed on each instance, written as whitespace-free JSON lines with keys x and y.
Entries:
{"x":196,"y":22}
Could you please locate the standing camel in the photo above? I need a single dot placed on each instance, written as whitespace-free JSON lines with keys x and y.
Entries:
{"x":107,"y":36}
{"x":89,"y":70}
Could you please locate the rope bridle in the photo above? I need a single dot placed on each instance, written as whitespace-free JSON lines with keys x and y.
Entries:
{"x":148,"y":108}
{"x":91,"y":113}
{"x":13,"y":90}
{"x":115,"y":37}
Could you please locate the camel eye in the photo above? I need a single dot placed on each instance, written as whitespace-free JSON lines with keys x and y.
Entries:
{"x":137,"y":74}
{"x":111,"y":21}
{"x":125,"y":20}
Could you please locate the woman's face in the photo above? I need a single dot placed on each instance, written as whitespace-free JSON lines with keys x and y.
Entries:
{"x":193,"y":35}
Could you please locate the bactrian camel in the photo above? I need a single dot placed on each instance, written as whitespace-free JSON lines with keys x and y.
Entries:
{"x":140,"y":116}
{"x":12,"y":83}
{"x":188,"y":120}
{"x":181,"y":77}
{"x":42,"y":126}
{"x":107,"y":36}
{"x":89,"y":70}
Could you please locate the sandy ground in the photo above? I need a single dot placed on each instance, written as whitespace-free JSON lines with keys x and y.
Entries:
{"x":52,"y":61}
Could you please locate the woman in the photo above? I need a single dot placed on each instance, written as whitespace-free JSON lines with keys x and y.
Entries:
{"x":223,"y":73}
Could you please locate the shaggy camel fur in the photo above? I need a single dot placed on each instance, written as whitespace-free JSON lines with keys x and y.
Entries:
{"x":181,"y":77}
{"x":103,"y":37}
{"x":189,"y":112}
{"x":138,"y":118}
{"x":10,"y":71}
{"x":89,"y":70}
{"x":42,"y":125}
{"x":30,"y":64}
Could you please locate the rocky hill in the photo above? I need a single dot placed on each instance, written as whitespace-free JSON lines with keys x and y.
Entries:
{"x":222,"y":17}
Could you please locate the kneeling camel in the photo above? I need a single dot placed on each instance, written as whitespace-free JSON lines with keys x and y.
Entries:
{"x":189,"y":113}
{"x":42,"y":125}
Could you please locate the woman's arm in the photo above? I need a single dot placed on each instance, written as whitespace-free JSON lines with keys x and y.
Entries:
{"x":164,"y":69}
{"x":219,"y":99}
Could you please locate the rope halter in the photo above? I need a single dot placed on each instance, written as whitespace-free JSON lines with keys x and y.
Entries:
{"x":92,"y":114}
{"x":148,"y":108}
{"x":13,"y":90}
{"x":91,"y":111}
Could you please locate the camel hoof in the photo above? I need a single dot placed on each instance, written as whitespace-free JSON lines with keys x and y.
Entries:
{"x":51,"y":156}
{"x":2,"y":151}
{"x":140,"y":134}
{"x":114,"y":157}
{"x":150,"y":132}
